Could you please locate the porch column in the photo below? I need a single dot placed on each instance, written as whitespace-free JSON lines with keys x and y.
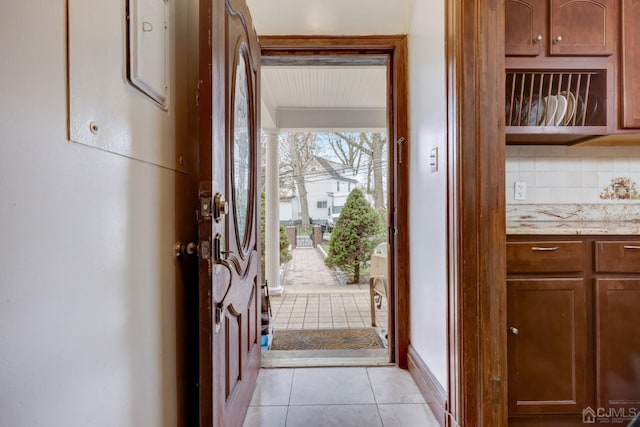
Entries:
{"x":272,"y":216}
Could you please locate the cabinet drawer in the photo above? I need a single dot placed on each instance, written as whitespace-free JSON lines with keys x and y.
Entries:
{"x":545,"y":257}
{"x":618,"y":257}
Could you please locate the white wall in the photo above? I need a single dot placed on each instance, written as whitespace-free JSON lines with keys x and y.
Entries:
{"x":428,"y":190}
{"x":575,"y":174}
{"x":88,"y":327}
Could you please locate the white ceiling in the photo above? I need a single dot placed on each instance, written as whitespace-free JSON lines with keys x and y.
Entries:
{"x":321,"y":97}
{"x":331,"y":17}
{"x":336,"y":97}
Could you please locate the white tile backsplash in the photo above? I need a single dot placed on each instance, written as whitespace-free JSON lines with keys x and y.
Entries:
{"x":569,"y":174}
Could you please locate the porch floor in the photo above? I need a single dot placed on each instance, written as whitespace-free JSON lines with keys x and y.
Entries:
{"x":314,"y":298}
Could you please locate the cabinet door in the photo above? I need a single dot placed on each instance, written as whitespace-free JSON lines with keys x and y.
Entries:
{"x":546,"y":346}
{"x":525,"y":22}
{"x":582,"y":27}
{"x":630,"y":64}
{"x":618,"y":343}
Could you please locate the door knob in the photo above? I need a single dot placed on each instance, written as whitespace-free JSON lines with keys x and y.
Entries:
{"x":538,"y":38}
{"x":513,"y":330}
{"x":190,"y":248}
{"x":558,"y":39}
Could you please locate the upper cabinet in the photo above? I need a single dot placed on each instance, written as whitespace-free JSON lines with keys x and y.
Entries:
{"x":525,"y":27}
{"x":560,"y":27}
{"x":561,"y":70}
{"x":582,"y":27}
{"x":630,"y":64}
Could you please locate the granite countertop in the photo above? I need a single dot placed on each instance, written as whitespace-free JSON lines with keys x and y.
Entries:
{"x":585,"y":219}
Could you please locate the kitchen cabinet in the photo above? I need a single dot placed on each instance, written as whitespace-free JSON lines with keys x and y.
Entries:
{"x":617,"y":286}
{"x":583,"y":27}
{"x":546,"y":345}
{"x":618,"y":343}
{"x":573,"y":310}
{"x":560,"y":27}
{"x":525,"y":27}
{"x":547,"y":327}
{"x":630,"y":64}
{"x":560,"y":70}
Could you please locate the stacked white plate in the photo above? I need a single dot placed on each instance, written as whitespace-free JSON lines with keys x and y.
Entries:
{"x":559,"y":109}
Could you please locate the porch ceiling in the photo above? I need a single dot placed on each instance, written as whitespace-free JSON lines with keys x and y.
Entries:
{"x":324,"y":97}
{"x":347,"y":96}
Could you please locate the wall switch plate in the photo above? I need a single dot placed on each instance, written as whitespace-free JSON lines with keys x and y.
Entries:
{"x":433,"y":159}
{"x":520,"y":190}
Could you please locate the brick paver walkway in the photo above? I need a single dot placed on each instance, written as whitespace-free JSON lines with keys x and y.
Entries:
{"x":314,"y":299}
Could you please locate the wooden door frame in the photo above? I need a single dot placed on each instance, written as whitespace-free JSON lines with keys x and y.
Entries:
{"x":395,"y":48}
{"x":477,"y":392}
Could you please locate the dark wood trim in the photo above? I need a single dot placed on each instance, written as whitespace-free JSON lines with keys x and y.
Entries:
{"x":394,"y":48}
{"x":476,"y":211}
{"x":432,"y":390}
{"x":205,"y":110}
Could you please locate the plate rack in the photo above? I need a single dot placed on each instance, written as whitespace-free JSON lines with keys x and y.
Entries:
{"x":557,"y":99}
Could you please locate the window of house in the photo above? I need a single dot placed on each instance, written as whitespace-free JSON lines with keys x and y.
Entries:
{"x":321,"y":204}
{"x":338,"y":182}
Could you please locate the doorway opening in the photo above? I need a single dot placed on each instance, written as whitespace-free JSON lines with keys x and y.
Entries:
{"x":328,"y":178}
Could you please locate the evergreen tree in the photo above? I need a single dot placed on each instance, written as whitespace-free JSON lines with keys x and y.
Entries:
{"x":358,"y":230}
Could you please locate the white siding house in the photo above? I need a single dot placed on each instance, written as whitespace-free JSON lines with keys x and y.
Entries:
{"x":328,"y":184}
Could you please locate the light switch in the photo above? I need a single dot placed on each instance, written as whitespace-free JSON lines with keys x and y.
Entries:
{"x":148,"y":48}
{"x":433,"y":159}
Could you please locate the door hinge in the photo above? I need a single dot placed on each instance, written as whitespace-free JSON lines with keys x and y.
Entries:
{"x":198,"y":93}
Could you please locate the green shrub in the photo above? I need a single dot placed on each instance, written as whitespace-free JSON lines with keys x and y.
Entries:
{"x":358,"y":230}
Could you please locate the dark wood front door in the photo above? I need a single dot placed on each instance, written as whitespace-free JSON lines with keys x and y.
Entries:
{"x":228,"y":207}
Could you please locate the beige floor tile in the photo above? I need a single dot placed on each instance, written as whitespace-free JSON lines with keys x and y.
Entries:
{"x":273,"y":387}
{"x":394,"y":385}
{"x":407,"y":415}
{"x":266,"y":416}
{"x":334,"y":415}
{"x":331,"y":386}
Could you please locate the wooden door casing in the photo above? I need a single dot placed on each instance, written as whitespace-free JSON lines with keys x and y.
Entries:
{"x":229,"y":269}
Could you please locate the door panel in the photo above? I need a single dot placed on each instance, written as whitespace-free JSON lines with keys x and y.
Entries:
{"x":228,"y":227}
{"x":525,"y":30}
{"x":618,"y":343}
{"x":546,"y":345}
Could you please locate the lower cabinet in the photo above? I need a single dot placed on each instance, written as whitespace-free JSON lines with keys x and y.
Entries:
{"x":618,"y":343}
{"x":573,"y":325}
{"x":546,"y":346}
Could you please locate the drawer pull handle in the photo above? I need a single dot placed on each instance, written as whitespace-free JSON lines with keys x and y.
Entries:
{"x":513,"y":330}
{"x":538,"y":248}
{"x":631,"y":247}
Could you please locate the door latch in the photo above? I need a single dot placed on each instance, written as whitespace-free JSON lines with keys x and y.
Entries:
{"x":205,"y":208}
